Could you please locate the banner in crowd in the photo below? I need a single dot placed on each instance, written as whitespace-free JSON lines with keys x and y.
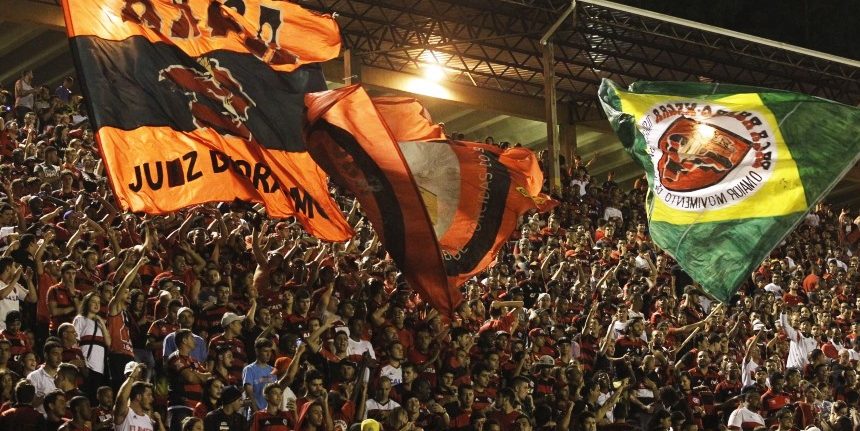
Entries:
{"x":202,"y":101}
{"x":441,"y":208}
{"x":731,"y":169}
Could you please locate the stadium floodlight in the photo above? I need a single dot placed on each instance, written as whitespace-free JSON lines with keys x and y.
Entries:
{"x":433,"y":72}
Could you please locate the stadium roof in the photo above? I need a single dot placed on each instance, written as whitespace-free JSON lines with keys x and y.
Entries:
{"x":491,"y":56}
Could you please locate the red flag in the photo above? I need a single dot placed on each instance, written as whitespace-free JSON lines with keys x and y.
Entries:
{"x":348,"y":138}
{"x":462,"y":200}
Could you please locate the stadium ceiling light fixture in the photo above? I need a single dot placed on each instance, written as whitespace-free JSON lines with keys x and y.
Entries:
{"x":433,"y":72}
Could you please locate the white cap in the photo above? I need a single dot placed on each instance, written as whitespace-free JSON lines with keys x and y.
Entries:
{"x":230,"y":318}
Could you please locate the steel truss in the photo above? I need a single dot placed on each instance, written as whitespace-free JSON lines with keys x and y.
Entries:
{"x":495,"y":45}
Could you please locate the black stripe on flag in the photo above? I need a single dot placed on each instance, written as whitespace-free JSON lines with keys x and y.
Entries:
{"x":491,"y":215}
{"x":390,"y":210}
{"x":136,"y":83}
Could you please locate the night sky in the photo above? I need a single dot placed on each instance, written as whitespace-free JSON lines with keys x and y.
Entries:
{"x":831,"y":26}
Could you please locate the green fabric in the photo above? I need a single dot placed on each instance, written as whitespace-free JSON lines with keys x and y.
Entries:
{"x":823,"y":138}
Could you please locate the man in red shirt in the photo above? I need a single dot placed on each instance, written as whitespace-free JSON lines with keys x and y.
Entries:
{"x":161,"y":328}
{"x":702,"y":374}
{"x":775,"y":398}
{"x":22,"y":416}
{"x":272,"y":418}
{"x":231,"y":337}
{"x":63,"y":298}
{"x":185,"y":377}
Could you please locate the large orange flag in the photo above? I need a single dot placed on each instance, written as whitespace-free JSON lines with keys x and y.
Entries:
{"x":442,"y":208}
{"x":200,"y":101}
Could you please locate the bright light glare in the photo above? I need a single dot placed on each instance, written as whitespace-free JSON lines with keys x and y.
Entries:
{"x":434,"y":72}
{"x":706,"y":132}
{"x":427,"y":88}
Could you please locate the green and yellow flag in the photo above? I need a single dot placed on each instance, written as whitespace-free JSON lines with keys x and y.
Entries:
{"x":731,"y":169}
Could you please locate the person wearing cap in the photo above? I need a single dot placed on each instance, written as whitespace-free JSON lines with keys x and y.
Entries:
{"x":544,"y":383}
{"x":538,"y":347}
{"x":228,"y":416}
{"x":185,"y":318}
{"x":232,"y":338}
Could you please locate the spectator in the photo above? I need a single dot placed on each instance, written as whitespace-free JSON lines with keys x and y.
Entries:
{"x":227,"y":416}
{"x":94,"y":339}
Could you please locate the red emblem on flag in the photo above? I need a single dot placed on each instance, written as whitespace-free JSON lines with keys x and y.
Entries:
{"x":697,"y":155}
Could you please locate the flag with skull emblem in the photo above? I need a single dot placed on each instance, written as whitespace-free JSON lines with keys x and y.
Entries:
{"x":198,"y":101}
{"x":731,"y":169}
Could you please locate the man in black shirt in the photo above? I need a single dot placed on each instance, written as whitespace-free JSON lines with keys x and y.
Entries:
{"x":227,"y":417}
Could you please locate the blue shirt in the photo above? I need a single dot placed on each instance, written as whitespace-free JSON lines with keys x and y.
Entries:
{"x":63,"y":93}
{"x":258,"y":376}
{"x":200,"y":352}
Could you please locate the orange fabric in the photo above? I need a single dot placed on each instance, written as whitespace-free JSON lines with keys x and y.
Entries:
{"x":407,"y":119}
{"x":349,"y":139}
{"x":478,"y":166}
{"x":458,"y":200}
{"x":156,"y":168}
{"x":206,"y":174}
{"x":198,"y":27}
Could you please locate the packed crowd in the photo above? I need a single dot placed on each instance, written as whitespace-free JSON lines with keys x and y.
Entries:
{"x":216,"y":318}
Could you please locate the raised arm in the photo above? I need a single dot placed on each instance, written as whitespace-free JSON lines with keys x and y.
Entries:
{"x":113,"y":305}
{"x":120,"y":405}
{"x":786,"y":326}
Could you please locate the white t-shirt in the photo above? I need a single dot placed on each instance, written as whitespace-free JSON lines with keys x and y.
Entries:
{"x":96,"y":357}
{"x":581,"y":184}
{"x":748,"y":373}
{"x":12,"y":302}
{"x":743,"y":415}
{"x":359,"y":347}
{"x":286,"y":396}
{"x":393,"y":374}
{"x":135,"y":422}
{"x":610,"y":212}
{"x":44,"y":384}
{"x":372,"y":404}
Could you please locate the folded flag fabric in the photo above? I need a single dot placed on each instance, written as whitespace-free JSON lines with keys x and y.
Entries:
{"x":201,"y":101}
{"x":442,"y":208}
{"x":731,"y":169}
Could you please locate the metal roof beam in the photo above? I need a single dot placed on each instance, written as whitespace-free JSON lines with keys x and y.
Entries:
{"x":32,"y":12}
{"x":474,"y":97}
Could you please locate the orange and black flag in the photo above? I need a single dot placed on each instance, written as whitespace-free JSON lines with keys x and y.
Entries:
{"x":198,"y":101}
{"x":474,"y":193}
{"x":439,"y":206}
